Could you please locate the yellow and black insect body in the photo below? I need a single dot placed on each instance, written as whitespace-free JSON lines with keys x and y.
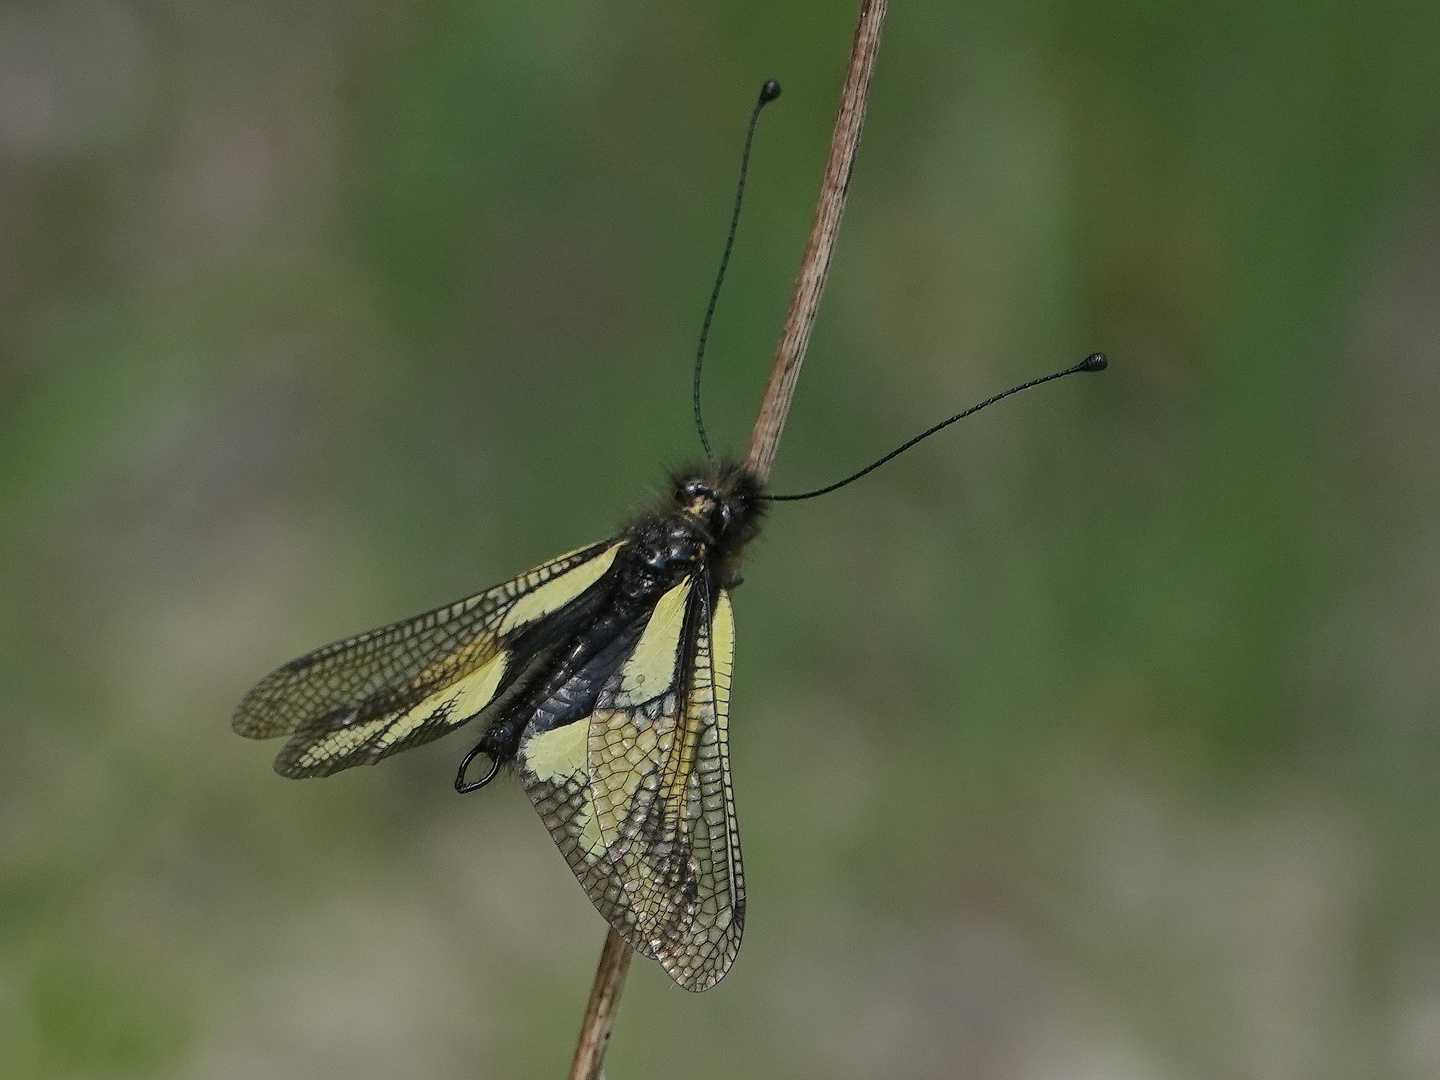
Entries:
{"x":605,"y":678}
{"x":606,"y":673}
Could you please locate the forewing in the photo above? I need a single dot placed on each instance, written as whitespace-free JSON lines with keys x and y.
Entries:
{"x":360,"y":700}
{"x":639,"y":799}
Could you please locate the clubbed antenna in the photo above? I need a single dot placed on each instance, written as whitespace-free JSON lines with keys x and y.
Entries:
{"x":1093,"y":362}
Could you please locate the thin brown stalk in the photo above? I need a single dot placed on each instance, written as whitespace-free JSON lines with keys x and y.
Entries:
{"x":600,"y":1013}
{"x":765,"y":439}
{"x":815,"y":266}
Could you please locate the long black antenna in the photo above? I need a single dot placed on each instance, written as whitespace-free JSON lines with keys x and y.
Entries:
{"x":768,"y":93}
{"x":1093,"y":362}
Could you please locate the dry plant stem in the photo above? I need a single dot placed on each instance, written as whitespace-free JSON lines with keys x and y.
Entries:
{"x":600,"y":1013}
{"x":765,"y":439}
{"x":815,"y":266}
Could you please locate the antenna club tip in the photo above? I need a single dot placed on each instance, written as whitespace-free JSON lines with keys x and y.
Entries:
{"x":769,"y":92}
{"x":1094,"y":362}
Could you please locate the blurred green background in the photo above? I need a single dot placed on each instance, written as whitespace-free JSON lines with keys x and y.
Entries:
{"x":1097,"y":739}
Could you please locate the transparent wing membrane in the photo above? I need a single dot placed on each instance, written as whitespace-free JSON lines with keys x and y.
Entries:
{"x":639,"y":800}
{"x":362,"y":699}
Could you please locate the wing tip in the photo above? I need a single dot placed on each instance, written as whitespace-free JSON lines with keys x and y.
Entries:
{"x":245,"y":720}
{"x":707,"y":977}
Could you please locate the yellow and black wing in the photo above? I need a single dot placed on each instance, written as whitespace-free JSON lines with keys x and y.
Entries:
{"x":367,"y":697}
{"x":638,"y":795}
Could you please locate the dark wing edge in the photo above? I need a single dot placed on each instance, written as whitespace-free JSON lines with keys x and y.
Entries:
{"x":361,"y":699}
{"x":640,"y":802}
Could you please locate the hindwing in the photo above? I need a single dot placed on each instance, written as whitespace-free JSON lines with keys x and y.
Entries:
{"x":638,"y":796}
{"x":367,"y":697}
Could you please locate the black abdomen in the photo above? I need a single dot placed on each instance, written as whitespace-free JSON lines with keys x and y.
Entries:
{"x":617,"y":608}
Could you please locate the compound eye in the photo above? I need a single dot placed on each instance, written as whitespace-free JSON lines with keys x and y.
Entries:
{"x":692,"y":489}
{"x":724,"y":516}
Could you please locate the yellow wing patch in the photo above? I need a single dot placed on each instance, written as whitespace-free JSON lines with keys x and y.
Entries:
{"x":722,"y":650}
{"x":558,"y":754}
{"x":651,"y":667}
{"x":476,"y":690}
{"x":557,"y":592}
{"x":460,"y":701}
{"x":558,"y":757}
